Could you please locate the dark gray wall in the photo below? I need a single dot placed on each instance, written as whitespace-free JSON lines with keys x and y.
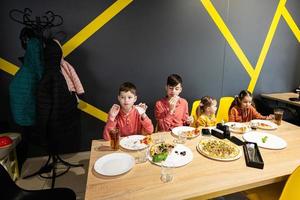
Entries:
{"x":149,"y":40}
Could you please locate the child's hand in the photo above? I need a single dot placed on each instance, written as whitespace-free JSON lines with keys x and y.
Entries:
{"x":270,"y":117}
{"x":172,"y":104}
{"x":113,"y":112}
{"x":141,"y":108}
{"x":190,"y":120}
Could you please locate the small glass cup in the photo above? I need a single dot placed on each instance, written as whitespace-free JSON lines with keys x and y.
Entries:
{"x":166,"y":174}
{"x":278,"y":114}
{"x":114,"y":139}
{"x":142,"y":155}
{"x":159,"y":138}
{"x":181,"y":138}
{"x":253,"y":125}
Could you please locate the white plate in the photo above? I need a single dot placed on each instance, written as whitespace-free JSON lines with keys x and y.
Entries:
{"x":114,"y":164}
{"x":178,"y":130}
{"x":132,"y":142}
{"x":272,"y":141}
{"x":238,"y":125}
{"x":199,"y":149}
{"x":175,"y":159}
{"x":272,"y":125}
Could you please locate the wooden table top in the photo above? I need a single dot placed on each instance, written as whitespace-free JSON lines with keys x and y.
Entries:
{"x":283,"y":97}
{"x":203,"y":177}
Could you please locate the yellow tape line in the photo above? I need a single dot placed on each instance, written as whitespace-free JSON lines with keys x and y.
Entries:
{"x":253,"y":73}
{"x":93,"y":26}
{"x":8,"y":67}
{"x":92,"y":110}
{"x":228,"y":36}
{"x":291,"y":23}
{"x":266,"y":46}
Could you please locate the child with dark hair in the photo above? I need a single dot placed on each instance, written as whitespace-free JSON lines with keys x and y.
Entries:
{"x":172,"y":110}
{"x":242,"y":110}
{"x":206,"y":112}
{"x":127,"y":117}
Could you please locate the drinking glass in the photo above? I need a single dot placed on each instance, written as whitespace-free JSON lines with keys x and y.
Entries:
{"x":278,"y":113}
{"x":166,"y":174}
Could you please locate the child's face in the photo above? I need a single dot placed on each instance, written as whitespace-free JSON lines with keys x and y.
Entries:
{"x":127,"y":99}
{"x":246,"y":102}
{"x":173,"y":91}
{"x":212,"y":109}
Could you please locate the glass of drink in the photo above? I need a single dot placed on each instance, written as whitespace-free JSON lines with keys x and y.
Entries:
{"x":166,"y":174}
{"x":114,"y":139}
{"x":181,"y":138}
{"x":278,"y":113}
{"x":142,"y":155}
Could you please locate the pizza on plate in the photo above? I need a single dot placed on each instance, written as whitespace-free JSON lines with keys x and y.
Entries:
{"x":159,"y":152}
{"x":263,"y":125}
{"x":239,"y":128}
{"x":218,"y":149}
{"x":192,"y":133}
{"x":146,"y":140}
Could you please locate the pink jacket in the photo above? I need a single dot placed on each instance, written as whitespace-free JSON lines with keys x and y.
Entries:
{"x":72,"y":79}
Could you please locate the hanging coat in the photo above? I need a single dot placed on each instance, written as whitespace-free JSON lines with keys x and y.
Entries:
{"x":58,"y":116}
{"x":22,"y":89}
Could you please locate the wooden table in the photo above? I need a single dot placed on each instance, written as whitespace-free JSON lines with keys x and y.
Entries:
{"x":283,"y":97}
{"x":203,"y":178}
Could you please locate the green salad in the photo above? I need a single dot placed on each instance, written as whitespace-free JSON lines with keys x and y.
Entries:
{"x":264,"y":139}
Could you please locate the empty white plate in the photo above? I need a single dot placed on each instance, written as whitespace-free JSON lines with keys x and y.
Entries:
{"x":114,"y":164}
{"x":265,"y":140}
{"x":133,"y":142}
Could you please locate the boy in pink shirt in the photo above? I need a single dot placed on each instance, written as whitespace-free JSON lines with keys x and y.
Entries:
{"x":172,"y":111}
{"x":127,"y":117}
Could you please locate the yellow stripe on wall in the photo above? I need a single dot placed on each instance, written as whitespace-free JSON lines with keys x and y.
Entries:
{"x":291,"y":23}
{"x":228,"y":36}
{"x":8,"y":67}
{"x":266,"y":46}
{"x":92,"y":110}
{"x":93,"y":26}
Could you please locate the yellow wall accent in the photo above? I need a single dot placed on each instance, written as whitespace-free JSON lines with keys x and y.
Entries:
{"x":291,"y":23}
{"x":252,"y":72}
{"x":93,"y":26}
{"x":119,"y":5}
{"x":76,"y":41}
{"x":228,"y":35}
{"x":8,"y":67}
{"x":92,"y":110}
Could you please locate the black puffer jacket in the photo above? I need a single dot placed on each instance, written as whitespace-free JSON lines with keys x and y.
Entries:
{"x":57,"y":114}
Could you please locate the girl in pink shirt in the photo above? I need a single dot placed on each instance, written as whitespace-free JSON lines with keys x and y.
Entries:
{"x":127,"y":117}
{"x":172,"y":111}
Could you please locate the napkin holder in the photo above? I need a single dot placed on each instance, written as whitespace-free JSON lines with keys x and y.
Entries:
{"x":225,"y":130}
{"x":255,"y":160}
{"x":218,"y":133}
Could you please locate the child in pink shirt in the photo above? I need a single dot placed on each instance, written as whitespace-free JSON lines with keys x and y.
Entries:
{"x":127,"y":117}
{"x":172,"y":111}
